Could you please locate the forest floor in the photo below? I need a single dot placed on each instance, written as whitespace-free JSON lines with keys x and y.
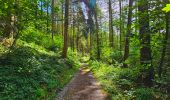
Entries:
{"x":83,"y":86}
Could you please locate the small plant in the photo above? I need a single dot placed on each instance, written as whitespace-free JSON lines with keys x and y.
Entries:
{"x":144,"y":94}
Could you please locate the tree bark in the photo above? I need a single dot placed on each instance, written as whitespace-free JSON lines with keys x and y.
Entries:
{"x":129,"y":24}
{"x":52,"y":18}
{"x":73,"y":31}
{"x":66,"y":20}
{"x":47,"y":15}
{"x":145,"y":51}
{"x":97,"y":33}
{"x":165,"y":40}
{"x":110,"y":25}
{"x":120,"y":26}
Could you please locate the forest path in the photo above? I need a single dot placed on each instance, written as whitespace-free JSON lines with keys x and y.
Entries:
{"x":83,"y":86}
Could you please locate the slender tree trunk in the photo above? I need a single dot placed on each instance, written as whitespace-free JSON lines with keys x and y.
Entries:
{"x":66,"y":20}
{"x":62,"y":19}
{"x":126,"y":51}
{"x":77,"y":38}
{"x":77,"y":32}
{"x":136,"y":17}
{"x":73,"y":31}
{"x":120,"y":26}
{"x":145,"y":51}
{"x":41,"y":8}
{"x":165,"y":40}
{"x":52,"y":18}
{"x":100,"y":24}
{"x":16,"y":23}
{"x":47,"y":15}
{"x":91,"y":24}
{"x":36,"y":14}
{"x":7,"y":29}
{"x":97,"y":33}
{"x":91,"y":44}
{"x":110,"y":25}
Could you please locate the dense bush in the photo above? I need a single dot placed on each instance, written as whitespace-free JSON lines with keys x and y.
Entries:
{"x":121,"y":83}
{"x":31,"y":71}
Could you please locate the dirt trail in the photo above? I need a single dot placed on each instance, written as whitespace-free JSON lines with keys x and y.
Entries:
{"x":82,"y":87}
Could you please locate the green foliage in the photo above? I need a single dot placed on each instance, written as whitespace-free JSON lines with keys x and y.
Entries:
{"x":125,"y":84}
{"x":167,"y":8}
{"x":121,"y":83}
{"x":106,"y":75}
{"x":33,"y":68}
{"x":40,"y":93}
{"x":156,"y":46}
{"x":116,"y":55}
{"x":129,"y":73}
{"x":106,"y":51}
{"x":30,"y":71}
{"x":2,"y":49}
{"x":144,"y":94}
{"x":134,"y":56}
{"x":33,"y":35}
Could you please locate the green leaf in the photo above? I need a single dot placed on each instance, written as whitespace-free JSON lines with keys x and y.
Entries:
{"x":6,"y":5}
{"x":167,"y":8}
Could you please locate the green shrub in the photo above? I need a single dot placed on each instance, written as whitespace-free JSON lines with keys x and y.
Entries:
{"x":116,"y":55}
{"x":125,"y":84}
{"x":28,"y":72}
{"x":40,"y":92}
{"x":129,"y":74}
{"x":144,"y":94}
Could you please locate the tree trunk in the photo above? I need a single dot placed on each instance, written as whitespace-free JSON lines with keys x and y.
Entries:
{"x":165,"y":40}
{"x":66,"y":20}
{"x":52,"y":18}
{"x":145,"y":51}
{"x":62,"y":20}
{"x":36,"y":14}
{"x":110,"y":25}
{"x":129,"y":24}
{"x":16,"y":23}
{"x":97,"y":33}
{"x":91,"y":24}
{"x":41,"y":8}
{"x":47,"y":15}
{"x":73,"y":31}
{"x":120,"y":26}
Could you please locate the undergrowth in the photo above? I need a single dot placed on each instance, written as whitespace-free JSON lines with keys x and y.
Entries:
{"x":32,"y":69}
{"x":121,"y":83}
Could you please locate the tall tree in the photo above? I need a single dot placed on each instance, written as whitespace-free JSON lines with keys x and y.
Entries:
{"x":129,"y":24}
{"x":62,"y":13}
{"x":97,"y":34}
{"x":52,"y":18}
{"x":47,"y":25}
{"x":120,"y":23}
{"x":91,"y":24}
{"x":165,"y":41}
{"x":73,"y":29}
{"x":66,"y":20}
{"x":110,"y":25}
{"x":16,"y":22}
{"x":145,"y":38}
